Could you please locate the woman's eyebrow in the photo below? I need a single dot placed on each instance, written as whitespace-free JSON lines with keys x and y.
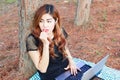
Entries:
{"x":47,"y":19}
{"x":50,"y":19}
{"x":41,"y":19}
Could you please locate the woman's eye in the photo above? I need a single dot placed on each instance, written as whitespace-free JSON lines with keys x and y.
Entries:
{"x":41,"y":20}
{"x":49,"y":21}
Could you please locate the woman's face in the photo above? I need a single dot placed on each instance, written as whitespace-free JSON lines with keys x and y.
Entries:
{"x":47,"y":23}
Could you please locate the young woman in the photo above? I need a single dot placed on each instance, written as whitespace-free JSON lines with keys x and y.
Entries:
{"x":47,"y":45}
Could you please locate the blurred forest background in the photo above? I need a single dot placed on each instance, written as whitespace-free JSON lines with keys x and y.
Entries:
{"x":90,"y":42}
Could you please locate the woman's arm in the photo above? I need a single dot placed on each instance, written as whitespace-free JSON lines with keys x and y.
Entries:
{"x":72,"y":66}
{"x":41,"y":62}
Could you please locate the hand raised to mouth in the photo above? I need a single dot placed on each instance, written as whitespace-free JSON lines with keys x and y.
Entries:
{"x":44,"y":37}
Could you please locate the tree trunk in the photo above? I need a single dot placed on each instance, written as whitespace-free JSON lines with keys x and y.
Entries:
{"x":26,"y":11}
{"x":83,"y":11}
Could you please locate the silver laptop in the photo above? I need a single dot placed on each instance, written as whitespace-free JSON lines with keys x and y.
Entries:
{"x":89,"y":73}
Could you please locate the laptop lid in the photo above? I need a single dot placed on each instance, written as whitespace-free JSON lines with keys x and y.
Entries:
{"x":89,"y":73}
{"x":95,"y":69}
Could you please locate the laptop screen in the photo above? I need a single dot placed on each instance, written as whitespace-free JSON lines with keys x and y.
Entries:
{"x":95,"y":69}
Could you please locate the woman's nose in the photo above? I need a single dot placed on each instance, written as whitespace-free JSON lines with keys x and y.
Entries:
{"x":45,"y":24}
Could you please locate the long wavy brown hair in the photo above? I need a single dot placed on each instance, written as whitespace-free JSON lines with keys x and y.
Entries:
{"x":58,"y":39}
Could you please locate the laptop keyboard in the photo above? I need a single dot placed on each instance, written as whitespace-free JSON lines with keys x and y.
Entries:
{"x":80,"y":73}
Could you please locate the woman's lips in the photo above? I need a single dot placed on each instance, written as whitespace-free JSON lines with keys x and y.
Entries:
{"x":45,"y":30}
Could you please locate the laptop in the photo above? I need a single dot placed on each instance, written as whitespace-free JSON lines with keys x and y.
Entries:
{"x":87,"y":72}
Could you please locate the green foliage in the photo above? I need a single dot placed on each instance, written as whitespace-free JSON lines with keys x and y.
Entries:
{"x":10,"y":1}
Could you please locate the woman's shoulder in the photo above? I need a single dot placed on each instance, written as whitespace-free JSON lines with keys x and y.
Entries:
{"x":31,"y":42}
{"x":32,"y":38}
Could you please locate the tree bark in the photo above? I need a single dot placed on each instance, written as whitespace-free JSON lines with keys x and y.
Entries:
{"x":27,"y":9}
{"x":82,"y":12}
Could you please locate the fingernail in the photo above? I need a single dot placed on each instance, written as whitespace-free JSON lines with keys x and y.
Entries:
{"x":79,"y":69}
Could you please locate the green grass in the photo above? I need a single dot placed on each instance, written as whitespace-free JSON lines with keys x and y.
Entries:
{"x":10,"y":1}
{"x":113,"y":40}
{"x":99,"y":52}
{"x":104,"y":15}
{"x":101,"y":27}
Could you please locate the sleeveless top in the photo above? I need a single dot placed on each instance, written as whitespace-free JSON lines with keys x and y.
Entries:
{"x":56,"y":65}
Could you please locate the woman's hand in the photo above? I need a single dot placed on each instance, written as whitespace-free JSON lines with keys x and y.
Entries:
{"x":73,"y":68}
{"x":43,"y":37}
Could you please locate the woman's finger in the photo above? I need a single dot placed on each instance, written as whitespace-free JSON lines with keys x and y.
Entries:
{"x":78,"y":69}
{"x":67,"y":68}
{"x":75,"y":71}
{"x":71,"y":70}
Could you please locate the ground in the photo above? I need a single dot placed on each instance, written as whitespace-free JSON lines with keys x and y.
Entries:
{"x":91,"y":42}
